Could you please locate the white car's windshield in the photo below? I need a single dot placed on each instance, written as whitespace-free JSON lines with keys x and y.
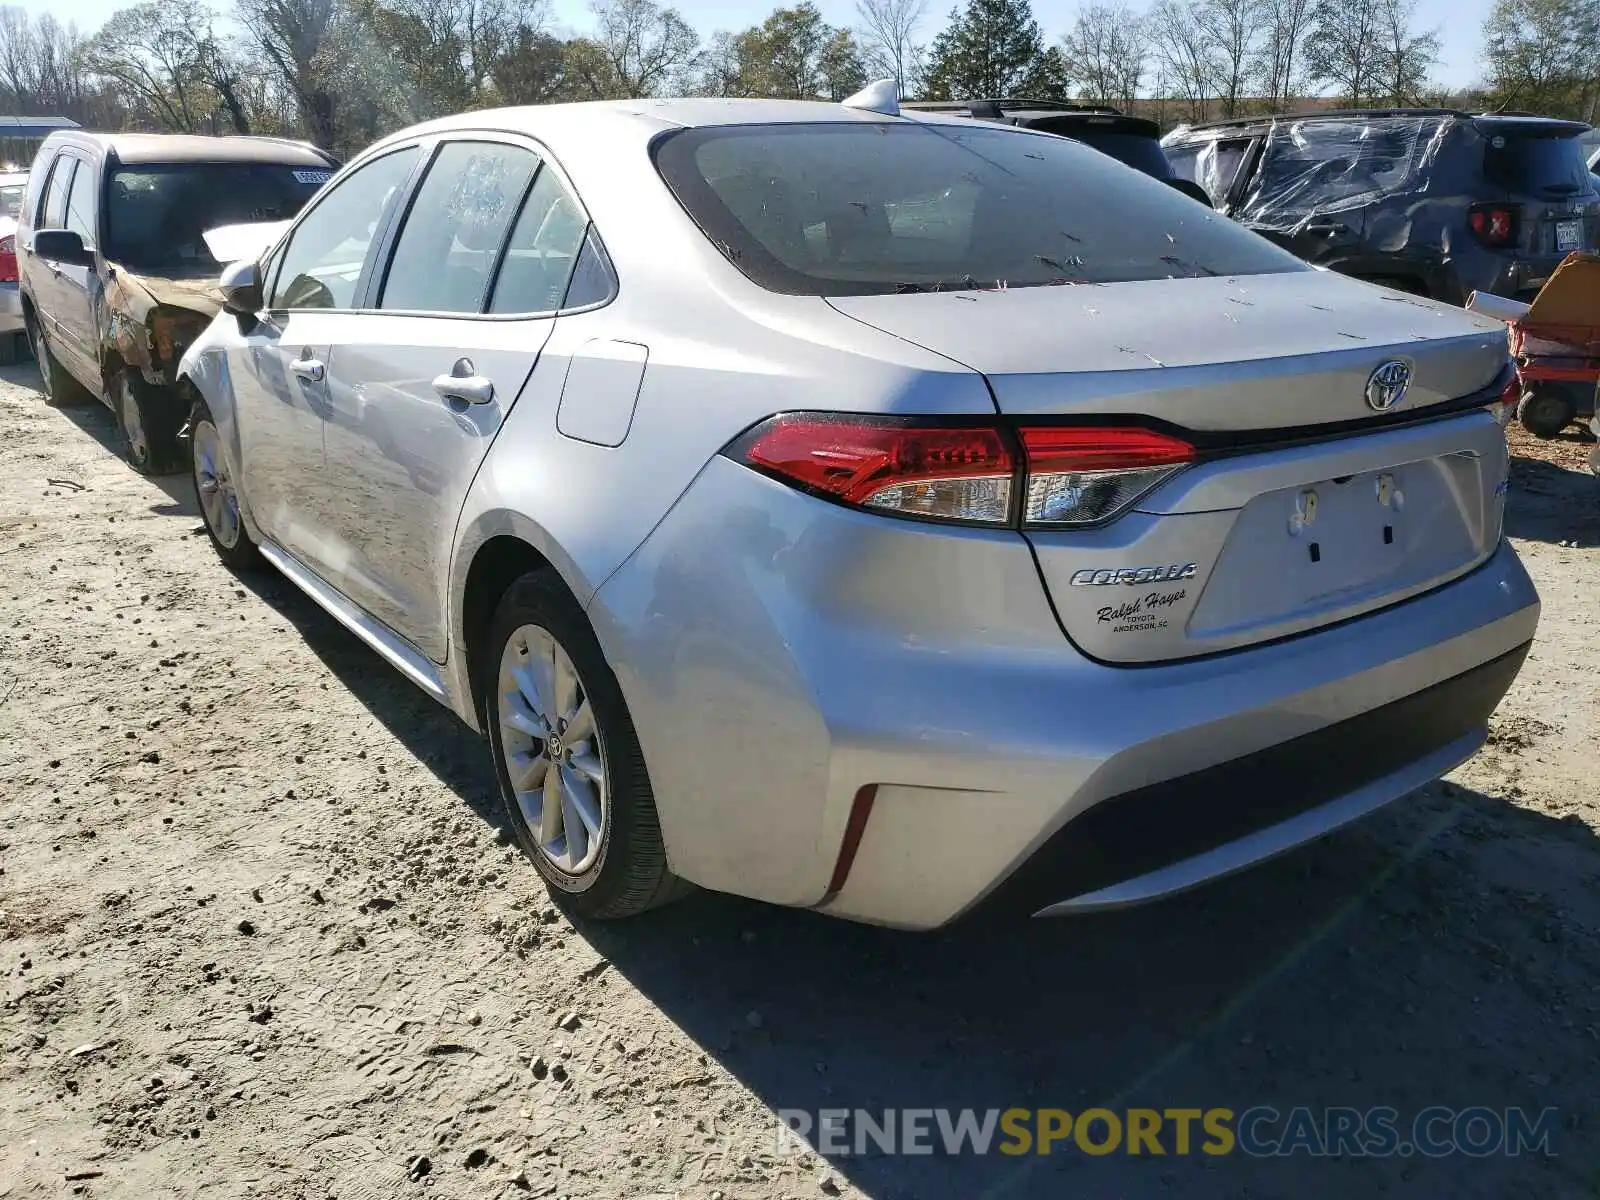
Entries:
{"x":853,"y":209}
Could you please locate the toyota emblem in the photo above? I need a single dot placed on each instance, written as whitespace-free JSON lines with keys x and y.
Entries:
{"x":1387,"y":385}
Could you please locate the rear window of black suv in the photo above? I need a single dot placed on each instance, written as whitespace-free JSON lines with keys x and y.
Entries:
{"x":840,"y":209}
{"x":1536,"y":161}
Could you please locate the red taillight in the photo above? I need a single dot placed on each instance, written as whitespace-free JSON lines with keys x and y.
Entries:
{"x":949,"y":473}
{"x":968,"y":473}
{"x":1493,"y":224}
{"x":8,"y":259}
{"x":1080,"y":475}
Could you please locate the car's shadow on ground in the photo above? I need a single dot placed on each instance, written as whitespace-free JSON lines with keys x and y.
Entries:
{"x":1553,"y":503}
{"x":96,"y":420}
{"x":1412,"y":961}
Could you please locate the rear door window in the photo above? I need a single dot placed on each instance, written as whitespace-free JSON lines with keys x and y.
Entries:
{"x":1530,"y":164}
{"x":444,"y":260}
{"x":862,"y":209}
{"x":543,"y":251}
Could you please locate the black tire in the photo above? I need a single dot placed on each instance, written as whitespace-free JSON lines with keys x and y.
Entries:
{"x":232,"y":540}
{"x":9,"y":349}
{"x":149,"y":419}
{"x":1545,"y":413}
{"x":61,"y":390}
{"x":630,"y":874}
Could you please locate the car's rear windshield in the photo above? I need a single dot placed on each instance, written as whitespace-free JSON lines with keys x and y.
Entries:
{"x":11,"y":199}
{"x":874,"y":208}
{"x":157,"y":213}
{"x":1142,"y":152}
{"x":1529,"y":162}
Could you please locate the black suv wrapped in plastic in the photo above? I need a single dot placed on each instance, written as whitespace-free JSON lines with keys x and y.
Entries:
{"x":1431,"y":201}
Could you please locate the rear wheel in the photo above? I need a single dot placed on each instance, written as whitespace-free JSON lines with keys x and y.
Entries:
{"x":10,"y":349}
{"x":60,"y":388}
{"x":150,"y":418}
{"x":1545,"y":413}
{"x":572,"y":776}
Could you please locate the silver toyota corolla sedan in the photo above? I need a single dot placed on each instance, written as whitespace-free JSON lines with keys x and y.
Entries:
{"x":893,"y":515}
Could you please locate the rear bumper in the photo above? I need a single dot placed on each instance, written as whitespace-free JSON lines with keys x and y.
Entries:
{"x":10,"y":308}
{"x":1518,"y":277}
{"x":1171,"y":836}
{"x":780,"y":654}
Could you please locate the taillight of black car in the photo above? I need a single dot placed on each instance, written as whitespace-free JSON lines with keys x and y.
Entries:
{"x":965,"y":472}
{"x":1495,"y":225}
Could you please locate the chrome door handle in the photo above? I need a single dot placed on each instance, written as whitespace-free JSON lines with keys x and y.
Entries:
{"x":470,"y":389}
{"x":308,"y":368}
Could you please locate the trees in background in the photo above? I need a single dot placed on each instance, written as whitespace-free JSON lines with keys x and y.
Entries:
{"x":1185,"y":57}
{"x":889,"y":39}
{"x":1367,"y":51}
{"x":994,"y":48}
{"x":1544,"y":56}
{"x":342,"y":72}
{"x":169,"y":66}
{"x":1106,"y":53}
{"x":1282,"y":67}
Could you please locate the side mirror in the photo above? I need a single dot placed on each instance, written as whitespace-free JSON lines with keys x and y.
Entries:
{"x":1191,"y":189}
{"x":241,"y":288}
{"x":61,"y":246}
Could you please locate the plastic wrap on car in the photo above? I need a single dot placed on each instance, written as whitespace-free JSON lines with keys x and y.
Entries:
{"x":1315,"y":170}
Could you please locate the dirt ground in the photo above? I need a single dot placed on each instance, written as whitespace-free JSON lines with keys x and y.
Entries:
{"x":261,"y":934}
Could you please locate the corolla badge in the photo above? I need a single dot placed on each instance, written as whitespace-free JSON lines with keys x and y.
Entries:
{"x":1134,"y":576}
{"x":1387,"y":385}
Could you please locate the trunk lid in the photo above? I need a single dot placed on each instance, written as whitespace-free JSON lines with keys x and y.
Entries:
{"x":1250,"y":353}
{"x":1293,"y":519}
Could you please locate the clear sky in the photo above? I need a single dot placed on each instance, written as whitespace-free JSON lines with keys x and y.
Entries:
{"x":1459,"y":22}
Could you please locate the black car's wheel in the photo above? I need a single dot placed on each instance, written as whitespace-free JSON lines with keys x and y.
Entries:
{"x":1545,"y":413}
{"x":572,"y":776}
{"x":60,"y":388}
{"x":10,"y":349}
{"x":218,"y":494}
{"x":150,"y":419}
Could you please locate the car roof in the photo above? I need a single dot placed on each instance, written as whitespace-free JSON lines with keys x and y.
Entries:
{"x":565,"y":126}
{"x":648,"y":116}
{"x":13,"y":178}
{"x":135,"y":148}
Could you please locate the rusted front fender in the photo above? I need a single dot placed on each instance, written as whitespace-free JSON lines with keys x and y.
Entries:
{"x":153,"y":319}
